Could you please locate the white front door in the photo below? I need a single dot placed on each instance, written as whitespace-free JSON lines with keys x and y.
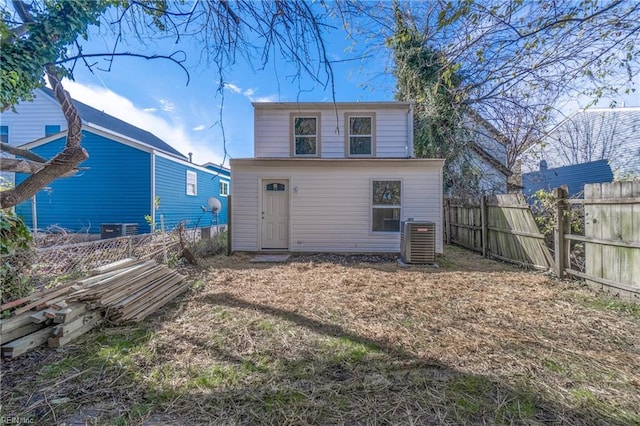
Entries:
{"x":275,"y":214}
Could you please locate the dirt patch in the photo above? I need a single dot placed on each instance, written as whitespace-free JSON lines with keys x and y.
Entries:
{"x":327,"y":339}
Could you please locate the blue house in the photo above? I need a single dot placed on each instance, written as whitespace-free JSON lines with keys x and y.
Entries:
{"x":575,"y":177}
{"x":131,"y":176}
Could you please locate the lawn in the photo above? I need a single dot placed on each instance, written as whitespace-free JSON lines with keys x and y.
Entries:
{"x":349,"y":340}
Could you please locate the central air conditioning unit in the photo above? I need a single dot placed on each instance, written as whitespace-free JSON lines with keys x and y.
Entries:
{"x":418,"y":242}
{"x":113,"y":230}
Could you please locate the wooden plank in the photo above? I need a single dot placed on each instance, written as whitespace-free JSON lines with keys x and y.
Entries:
{"x":610,"y":230}
{"x":519,"y":233}
{"x":48,"y":296}
{"x":16,"y":321}
{"x":57,"y":342}
{"x":483,"y":223}
{"x":119,"y":264}
{"x":613,"y":243}
{"x":26,"y":343}
{"x":602,"y":201}
{"x":635,"y":236}
{"x":73,"y":311}
{"x":593,"y":229}
{"x":61,"y":330}
{"x":159,"y":301}
{"x":20,"y":332}
{"x":612,"y":285}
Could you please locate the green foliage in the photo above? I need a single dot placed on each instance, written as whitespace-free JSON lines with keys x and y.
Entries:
{"x":425,"y":76}
{"x":544,"y":207}
{"x":14,"y":237}
{"x":55,"y":25}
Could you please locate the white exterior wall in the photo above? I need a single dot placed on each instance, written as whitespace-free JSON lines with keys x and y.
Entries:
{"x":331,"y":209}
{"x":272,"y":127}
{"x":28,"y":122}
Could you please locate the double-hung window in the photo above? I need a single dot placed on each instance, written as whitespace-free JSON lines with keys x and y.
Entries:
{"x":360,"y":134}
{"x":305,"y":135}
{"x":192,"y":183}
{"x":224,"y":188}
{"x":386,"y":205}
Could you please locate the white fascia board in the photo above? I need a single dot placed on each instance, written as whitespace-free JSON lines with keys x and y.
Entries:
{"x":187,"y":163}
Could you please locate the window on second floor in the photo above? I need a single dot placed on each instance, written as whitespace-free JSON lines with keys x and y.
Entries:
{"x":224,"y":188}
{"x":192,"y":183}
{"x":305,"y":135}
{"x":4,"y":134}
{"x":51,"y":129}
{"x":360,"y":135}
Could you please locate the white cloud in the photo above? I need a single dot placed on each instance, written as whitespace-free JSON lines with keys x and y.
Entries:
{"x":249,"y":92}
{"x":199,"y":128}
{"x":167,"y":105}
{"x":270,"y":98}
{"x":122,"y":108}
{"x":233,"y":87}
{"x":150,"y":109}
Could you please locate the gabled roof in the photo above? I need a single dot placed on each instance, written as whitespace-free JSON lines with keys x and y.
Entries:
{"x":575,"y":177}
{"x":98,"y":118}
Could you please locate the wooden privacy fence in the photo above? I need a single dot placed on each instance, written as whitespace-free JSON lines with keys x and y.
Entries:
{"x":498,"y":226}
{"x":611,"y":237}
{"x":503,"y":227}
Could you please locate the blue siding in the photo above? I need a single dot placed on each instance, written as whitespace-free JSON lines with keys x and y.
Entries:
{"x":176,"y":206}
{"x":115,"y":189}
{"x":575,"y":177}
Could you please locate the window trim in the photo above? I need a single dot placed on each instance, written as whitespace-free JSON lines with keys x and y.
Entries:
{"x":226,"y":184}
{"x":1,"y":133}
{"x":372,"y":206}
{"x":347,"y":134}
{"x":194,"y":175}
{"x":292,"y":136}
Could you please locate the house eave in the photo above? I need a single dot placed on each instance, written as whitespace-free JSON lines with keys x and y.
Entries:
{"x":331,"y":105}
{"x":325,"y":161}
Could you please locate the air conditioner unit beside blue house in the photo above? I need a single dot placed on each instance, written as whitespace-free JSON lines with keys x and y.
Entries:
{"x":113,"y":230}
{"x":418,"y":242}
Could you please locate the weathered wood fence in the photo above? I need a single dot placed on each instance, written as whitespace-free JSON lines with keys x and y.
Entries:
{"x":503,"y":227}
{"x":499,"y":226}
{"x":611,"y":237}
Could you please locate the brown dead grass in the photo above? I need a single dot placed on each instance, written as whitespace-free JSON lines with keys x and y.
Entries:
{"x":330,"y":340}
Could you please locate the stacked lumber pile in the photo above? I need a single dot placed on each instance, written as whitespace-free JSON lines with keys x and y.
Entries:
{"x":122,"y":292}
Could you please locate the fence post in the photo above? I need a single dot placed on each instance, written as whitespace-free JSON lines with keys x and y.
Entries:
{"x":164,"y":241}
{"x":447,"y":220}
{"x":560,"y":194}
{"x":484,"y":223}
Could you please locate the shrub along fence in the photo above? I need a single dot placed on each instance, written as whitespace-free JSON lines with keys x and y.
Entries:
{"x":503,"y":227}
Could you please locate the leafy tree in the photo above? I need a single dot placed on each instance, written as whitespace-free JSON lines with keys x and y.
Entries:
{"x":424,"y":76}
{"x":515,"y":59}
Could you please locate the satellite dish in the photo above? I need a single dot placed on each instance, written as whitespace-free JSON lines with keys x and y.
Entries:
{"x":214,"y":204}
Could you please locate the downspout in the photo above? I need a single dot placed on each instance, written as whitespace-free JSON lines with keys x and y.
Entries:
{"x":410,"y":132}
{"x":153,"y":191}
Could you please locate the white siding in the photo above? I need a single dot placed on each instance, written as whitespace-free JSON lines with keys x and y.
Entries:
{"x":331,"y":209}
{"x":27,"y":123}
{"x":272,"y":127}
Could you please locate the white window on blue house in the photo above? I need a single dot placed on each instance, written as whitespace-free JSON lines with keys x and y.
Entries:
{"x":224,"y":188}
{"x":386,"y":205}
{"x":4,"y":134}
{"x":51,"y":129}
{"x":192,"y":183}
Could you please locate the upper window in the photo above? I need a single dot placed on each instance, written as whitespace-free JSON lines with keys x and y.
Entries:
{"x":4,"y":134}
{"x":386,"y":205}
{"x":192,"y":183}
{"x":360,"y":134}
{"x":305,"y":135}
{"x":51,"y":130}
{"x":224,"y":188}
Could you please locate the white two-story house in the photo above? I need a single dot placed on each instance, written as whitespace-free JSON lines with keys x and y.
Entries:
{"x":332,"y":177}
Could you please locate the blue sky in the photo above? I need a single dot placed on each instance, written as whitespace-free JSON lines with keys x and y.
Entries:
{"x":153,"y":95}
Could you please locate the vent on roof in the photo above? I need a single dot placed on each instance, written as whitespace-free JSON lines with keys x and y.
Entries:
{"x":418,"y":242}
{"x":113,"y":230}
